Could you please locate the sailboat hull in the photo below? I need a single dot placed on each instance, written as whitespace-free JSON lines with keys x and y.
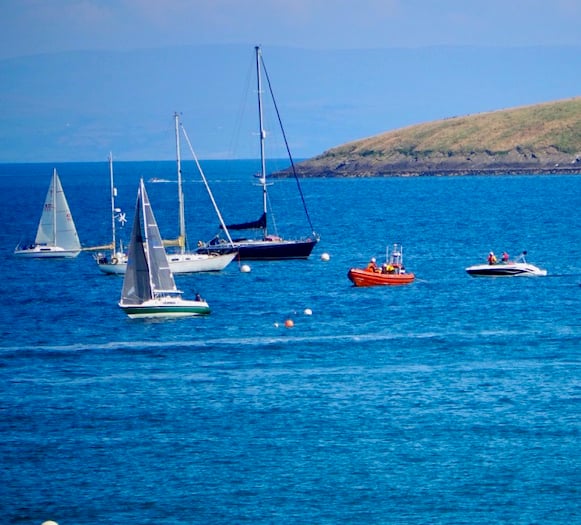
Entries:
{"x":112,"y":268}
{"x":251,"y":249}
{"x":178,"y":263}
{"x":166,"y":308}
{"x":46,"y":252}
{"x":196,"y":262}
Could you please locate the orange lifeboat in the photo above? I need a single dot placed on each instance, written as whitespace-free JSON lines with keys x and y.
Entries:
{"x":392,"y":272}
{"x":364,"y":277}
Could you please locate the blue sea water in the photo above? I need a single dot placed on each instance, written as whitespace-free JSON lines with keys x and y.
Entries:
{"x":453,"y":400}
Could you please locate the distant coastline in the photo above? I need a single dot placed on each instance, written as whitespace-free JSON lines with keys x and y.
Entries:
{"x":441,"y":171}
{"x":539,"y":139}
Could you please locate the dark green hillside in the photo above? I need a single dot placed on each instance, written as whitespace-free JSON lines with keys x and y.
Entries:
{"x":543,"y":138}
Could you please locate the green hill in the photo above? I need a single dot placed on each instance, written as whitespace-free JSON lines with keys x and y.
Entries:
{"x":542,"y":138}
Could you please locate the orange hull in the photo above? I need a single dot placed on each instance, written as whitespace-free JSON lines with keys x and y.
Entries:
{"x":361,"y":277}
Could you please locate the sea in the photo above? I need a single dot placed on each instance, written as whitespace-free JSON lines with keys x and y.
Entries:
{"x":452,"y":400}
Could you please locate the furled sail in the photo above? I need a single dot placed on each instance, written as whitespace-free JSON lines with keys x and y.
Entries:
{"x":253,"y":225}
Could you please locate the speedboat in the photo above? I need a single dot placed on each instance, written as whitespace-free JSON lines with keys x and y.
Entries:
{"x":506,"y":269}
{"x":392,"y":272}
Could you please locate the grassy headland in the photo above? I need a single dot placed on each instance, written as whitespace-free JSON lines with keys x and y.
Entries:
{"x":542,"y":138}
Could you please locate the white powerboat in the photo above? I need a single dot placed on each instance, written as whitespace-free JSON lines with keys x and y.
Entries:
{"x":506,"y":269}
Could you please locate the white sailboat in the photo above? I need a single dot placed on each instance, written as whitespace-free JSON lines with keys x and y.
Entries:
{"x":116,"y":262}
{"x":182,"y":260}
{"x":149,"y":288}
{"x":56,"y":236}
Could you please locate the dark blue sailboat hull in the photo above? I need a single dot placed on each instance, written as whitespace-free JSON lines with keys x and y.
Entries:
{"x":250,"y":249}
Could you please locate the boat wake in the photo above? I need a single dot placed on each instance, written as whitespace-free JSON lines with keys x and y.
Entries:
{"x":287,"y":339}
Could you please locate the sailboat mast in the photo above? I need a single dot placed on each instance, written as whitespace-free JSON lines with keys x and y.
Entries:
{"x":146,"y":231}
{"x":113,"y":191}
{"x":182,"y":218}
{"x":54,"y":189}
{"x":262,"y":135}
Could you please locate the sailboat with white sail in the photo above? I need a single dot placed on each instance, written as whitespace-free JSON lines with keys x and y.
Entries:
{"x":268,"y":245}
{"x":56,"y":236}
{"x":149,"y":288}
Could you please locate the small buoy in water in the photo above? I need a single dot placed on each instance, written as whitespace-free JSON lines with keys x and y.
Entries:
{"x":50,"y":523}
{"x":325,"y":257}
{"x":289,"y":323}
{"x":308,"y":311}
{"x":245,"y":268}
{"x":276,"y":325}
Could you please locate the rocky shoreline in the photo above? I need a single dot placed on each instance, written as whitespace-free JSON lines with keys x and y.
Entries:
{"x":513,"y":163}
{"x":359,"y":172}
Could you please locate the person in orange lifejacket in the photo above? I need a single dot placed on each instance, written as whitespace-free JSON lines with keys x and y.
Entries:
{"x":505,"y":257}
{"x":372,"y":266}
{"x":492,"y":258}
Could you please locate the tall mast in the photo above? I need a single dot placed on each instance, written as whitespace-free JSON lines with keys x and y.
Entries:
{"x":182,"y":218}
{"x":113,"y":192}
{"x":54,"y":190}
{"x":262,"y":134}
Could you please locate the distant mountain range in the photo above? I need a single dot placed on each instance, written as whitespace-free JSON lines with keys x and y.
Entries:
{"x":542,"y":138}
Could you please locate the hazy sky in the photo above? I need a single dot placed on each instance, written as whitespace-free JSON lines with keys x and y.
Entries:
{"x":41,"y":26}
{"x":75,"y":106}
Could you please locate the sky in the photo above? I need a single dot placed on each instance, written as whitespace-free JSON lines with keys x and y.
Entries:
{"x":41,"y":26}
{"x":59,"y":104}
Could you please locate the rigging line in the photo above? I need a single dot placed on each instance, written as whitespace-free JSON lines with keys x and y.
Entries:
{"x":234,"y":145}
{"x":211,"y":195}
{"x":271,"y":215}
{"x":286,"y":144}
